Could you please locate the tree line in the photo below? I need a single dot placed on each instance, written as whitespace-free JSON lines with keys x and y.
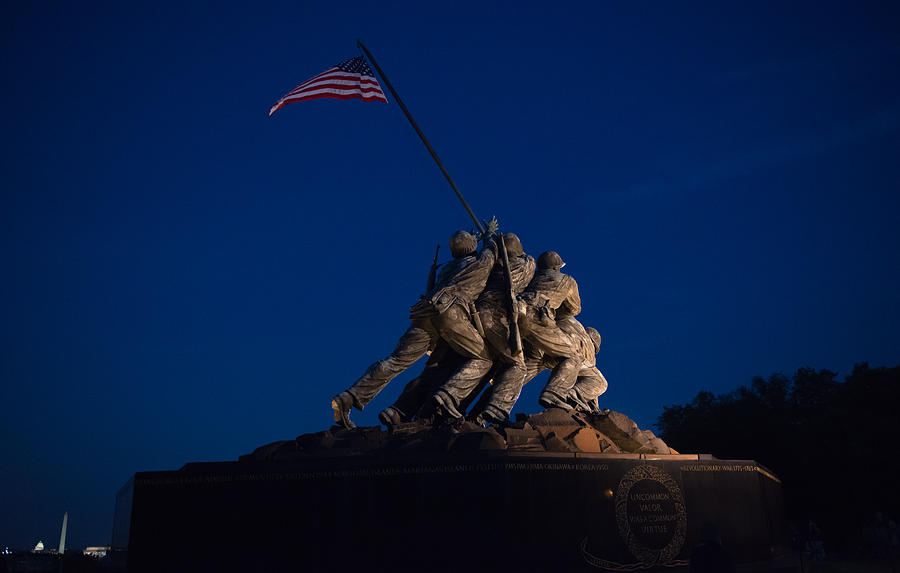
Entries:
{"x":834,"y":444}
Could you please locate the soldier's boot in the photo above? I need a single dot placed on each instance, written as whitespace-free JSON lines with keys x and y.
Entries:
{"x":426,"y":413}
{"x":592,"y":404}
{"x":596,"y":409}
{"x":574,"y":399}
{"x":490,"y":415}
{"x":341,"y":405}
{"x":391,"y":417}
{"x":444,"y":407}
{"x":551,"y":400}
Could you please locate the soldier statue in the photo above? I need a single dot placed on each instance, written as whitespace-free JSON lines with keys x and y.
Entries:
{"x":413,"y":402}
{"x":575,"y":381}
{"x":492,"y":310}
{"x":444,"y":313}
{"x":550,"y":297}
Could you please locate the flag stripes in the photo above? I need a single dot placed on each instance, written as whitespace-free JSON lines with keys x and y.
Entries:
{"x":347,"y":80}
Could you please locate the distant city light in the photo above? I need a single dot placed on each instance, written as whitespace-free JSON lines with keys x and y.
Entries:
{"x":96,"y":551}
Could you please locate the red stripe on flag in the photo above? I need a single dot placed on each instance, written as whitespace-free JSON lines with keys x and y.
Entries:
{"x":334,"y":83}
{"x":337,"y":82}
{"x":336,"y":96}
{"x":336,"y":91}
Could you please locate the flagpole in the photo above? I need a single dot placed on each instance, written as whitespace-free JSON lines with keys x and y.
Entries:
{"x":415,"y":126}
{"x":515,"y":337}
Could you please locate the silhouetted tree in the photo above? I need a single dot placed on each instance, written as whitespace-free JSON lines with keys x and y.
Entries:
{"x":832,"y":443}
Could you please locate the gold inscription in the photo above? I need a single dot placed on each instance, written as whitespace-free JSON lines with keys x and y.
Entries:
{"x":717,"y":468}
{"x":651,"y":515}
{"x":654,"y":529}
{"x":729,"y":468}
{"x":662,"y":517}
{"x":649,"y":496}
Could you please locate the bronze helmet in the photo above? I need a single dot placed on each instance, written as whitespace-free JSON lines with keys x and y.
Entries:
{"x":550,"y":260}
{"x":513,"y":245}
{"x":462,"y":244}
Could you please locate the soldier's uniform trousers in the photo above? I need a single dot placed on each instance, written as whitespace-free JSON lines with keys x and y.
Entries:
{"x":579,"y":377}
{"x":454,"y":326}
{"x":544,"y":338}
{"x":510,"y":374}
{"x":574,"y":377}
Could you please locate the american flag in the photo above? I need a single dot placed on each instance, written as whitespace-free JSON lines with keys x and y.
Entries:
{"x":347,"y":80}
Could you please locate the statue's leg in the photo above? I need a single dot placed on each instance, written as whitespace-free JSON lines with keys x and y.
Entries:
{"x":533,"y":365}
{"x":414,"y":343}
{"x":482,"y":392}
{"x":510,"y":375}
{"x":440,"y":366}
{"x":590,"y":384}
{"x":455,"y":390}
{"x":534,"y":362}
{"x":561,"y":382}
{"x":507,"y":387}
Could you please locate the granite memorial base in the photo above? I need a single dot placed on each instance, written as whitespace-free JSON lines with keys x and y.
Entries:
{"x":478,"y":511}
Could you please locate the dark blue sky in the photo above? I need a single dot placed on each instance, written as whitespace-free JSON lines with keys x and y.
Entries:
{"x":184,"y":278}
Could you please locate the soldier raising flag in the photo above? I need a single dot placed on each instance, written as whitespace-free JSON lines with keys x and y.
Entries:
{"x":482,"y":332}
{"x":442,"y":314}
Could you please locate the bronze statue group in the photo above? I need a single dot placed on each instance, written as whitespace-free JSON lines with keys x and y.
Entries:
{"x":464,"y":323}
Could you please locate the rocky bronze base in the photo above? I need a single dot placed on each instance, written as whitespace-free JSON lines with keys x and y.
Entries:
{"x":471,"y":506}
{"x":553,"y":430}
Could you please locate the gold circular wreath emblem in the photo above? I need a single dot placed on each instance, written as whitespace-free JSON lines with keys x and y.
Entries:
{"x":651,"y":515}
